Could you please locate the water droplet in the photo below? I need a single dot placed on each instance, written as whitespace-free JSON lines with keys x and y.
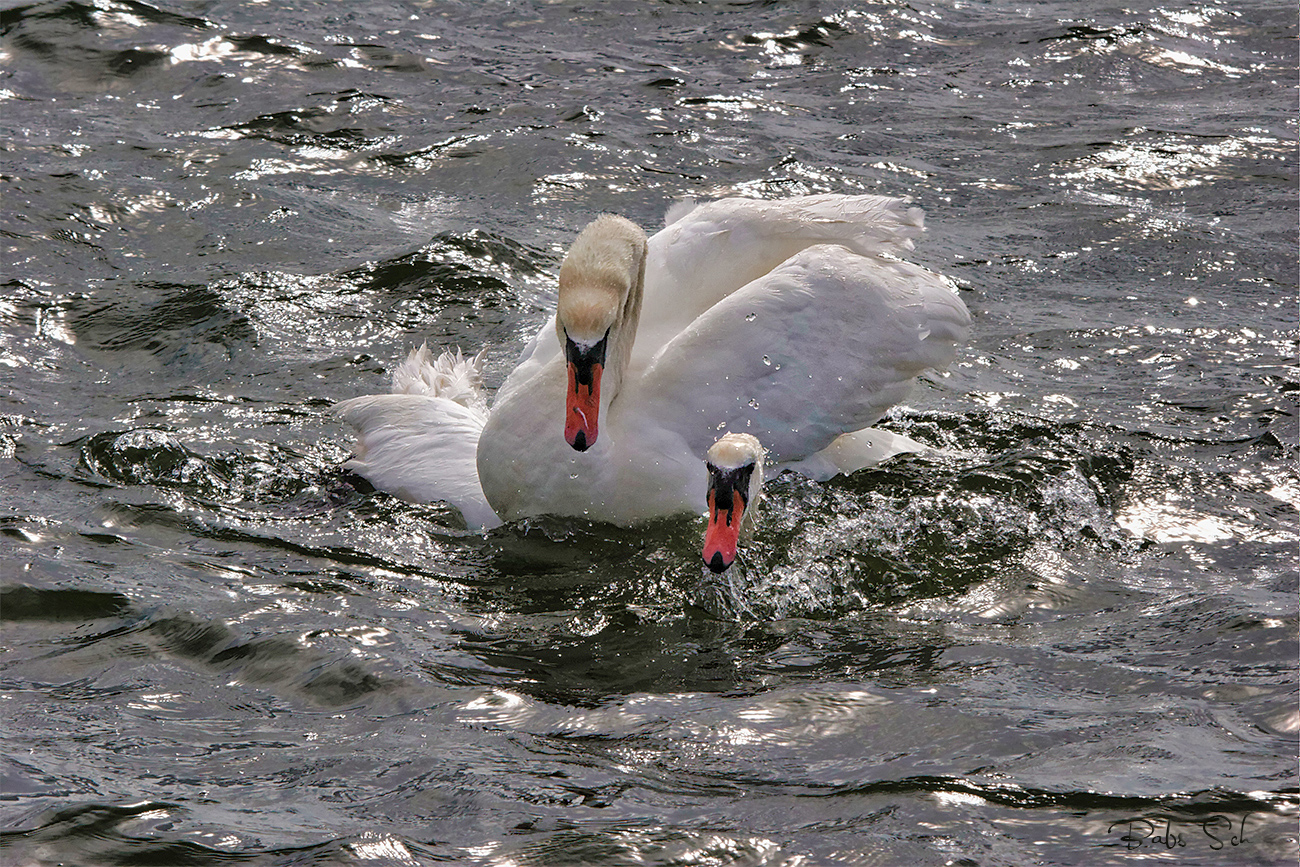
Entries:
{"x":767,"y":361}
{"x":750,"y":317}
{"x":753,"y":403}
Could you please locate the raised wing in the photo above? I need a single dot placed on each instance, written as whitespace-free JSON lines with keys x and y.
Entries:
{"x":708,"y":251}
{"x":823,"y":344}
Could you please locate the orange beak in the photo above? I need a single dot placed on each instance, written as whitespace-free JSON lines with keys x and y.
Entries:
{"x":582,"y":406}
{"x":723,"y":534}
{"x":582,"y":402}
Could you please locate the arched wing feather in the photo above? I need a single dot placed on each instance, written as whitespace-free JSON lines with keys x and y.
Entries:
{"x":707,"y":251}
{"x":823,"y":344}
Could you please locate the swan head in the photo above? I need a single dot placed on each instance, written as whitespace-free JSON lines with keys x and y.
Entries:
{"x":596,"y":316}
{"x":735,"y":464}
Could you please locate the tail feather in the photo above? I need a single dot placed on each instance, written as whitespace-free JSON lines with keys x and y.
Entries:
{"x":450,"y":375}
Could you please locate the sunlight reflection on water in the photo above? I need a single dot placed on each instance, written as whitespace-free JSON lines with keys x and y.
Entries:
{"x":1079,"y":608}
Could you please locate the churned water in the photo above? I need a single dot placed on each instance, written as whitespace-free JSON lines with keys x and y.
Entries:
{"x":1069,"y":637}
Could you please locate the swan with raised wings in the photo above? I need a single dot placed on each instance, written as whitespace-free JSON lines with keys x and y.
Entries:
{"x":793,"y":320}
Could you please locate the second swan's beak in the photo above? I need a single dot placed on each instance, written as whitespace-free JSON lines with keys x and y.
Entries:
{"x":728,"y":499}
{"x":582,"y":400}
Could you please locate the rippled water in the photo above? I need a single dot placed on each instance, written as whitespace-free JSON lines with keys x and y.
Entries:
{"x":1069,"y":638}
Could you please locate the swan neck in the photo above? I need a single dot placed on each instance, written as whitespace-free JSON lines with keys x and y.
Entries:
{"x":602,"y":282}
{"x":624,"y":335}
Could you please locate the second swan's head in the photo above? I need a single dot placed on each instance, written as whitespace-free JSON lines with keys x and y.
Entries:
{"x":596,"y":317}
{"x":735,"y":464}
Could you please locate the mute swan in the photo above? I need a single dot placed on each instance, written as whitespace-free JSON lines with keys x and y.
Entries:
{"x":735,"y":465}
{"x":792,"y":319}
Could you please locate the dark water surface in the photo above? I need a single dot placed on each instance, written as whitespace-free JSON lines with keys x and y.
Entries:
{"x":1071,"y":638}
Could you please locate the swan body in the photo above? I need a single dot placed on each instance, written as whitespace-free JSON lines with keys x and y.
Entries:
{"x":793,"y":320}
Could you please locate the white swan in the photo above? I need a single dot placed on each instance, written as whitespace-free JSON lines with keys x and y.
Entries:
{"x":735,"y":466}
{"x":793,"y":320}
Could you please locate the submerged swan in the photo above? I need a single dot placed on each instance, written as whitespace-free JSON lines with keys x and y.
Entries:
{"x":793,"y":320}
{"x":735,"y":465}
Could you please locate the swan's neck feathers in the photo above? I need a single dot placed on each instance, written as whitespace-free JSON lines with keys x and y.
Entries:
{"x":601,"y":284}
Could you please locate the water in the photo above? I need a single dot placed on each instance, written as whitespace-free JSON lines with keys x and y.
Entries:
{"x":1070,"y":639}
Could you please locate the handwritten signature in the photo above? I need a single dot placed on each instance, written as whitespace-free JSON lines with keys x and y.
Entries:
{"x":1218,"y":832}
